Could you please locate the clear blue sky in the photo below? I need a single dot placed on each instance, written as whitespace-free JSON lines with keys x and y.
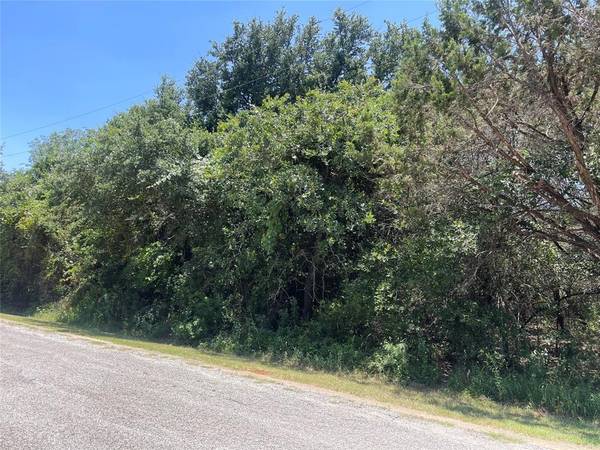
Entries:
{"x":60,"y":59}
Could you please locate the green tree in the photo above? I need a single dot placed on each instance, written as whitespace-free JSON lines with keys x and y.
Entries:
{"x":296,"y":181}
{"x":518,"y":82}
{"x":258,"y":60}
{"x":270,"y":59}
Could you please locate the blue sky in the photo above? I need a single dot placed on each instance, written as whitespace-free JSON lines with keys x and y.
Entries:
{"x":62,"y":59}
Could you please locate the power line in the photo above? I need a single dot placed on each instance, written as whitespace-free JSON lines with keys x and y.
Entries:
{"x":67,"y":119}
{"x":141,"y":94}
{"x":123,"y":101}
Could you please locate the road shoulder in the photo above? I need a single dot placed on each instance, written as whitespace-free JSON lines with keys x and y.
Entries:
{"x":363,"y":391}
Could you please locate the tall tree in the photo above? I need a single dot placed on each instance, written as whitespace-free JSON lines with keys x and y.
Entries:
{"x":344,"y":53}
{"x":261,"y":59}
{"x":520,"y":79}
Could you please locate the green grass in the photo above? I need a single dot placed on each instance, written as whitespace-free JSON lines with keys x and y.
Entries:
{"x":504,"y":423}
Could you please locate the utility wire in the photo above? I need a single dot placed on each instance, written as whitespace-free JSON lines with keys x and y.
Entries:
{"x":141,"y":94}
{"x":67,"y":119}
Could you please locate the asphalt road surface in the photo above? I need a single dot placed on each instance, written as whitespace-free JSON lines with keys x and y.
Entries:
{"x":63,"y":392}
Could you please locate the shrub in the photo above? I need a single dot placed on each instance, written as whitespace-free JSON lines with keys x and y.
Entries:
{"x":390,"y":361}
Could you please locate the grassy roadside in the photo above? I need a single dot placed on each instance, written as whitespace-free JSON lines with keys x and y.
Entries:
{"x":505,"y":423}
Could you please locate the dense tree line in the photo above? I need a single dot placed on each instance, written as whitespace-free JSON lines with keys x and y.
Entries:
{"x":419,"y":203}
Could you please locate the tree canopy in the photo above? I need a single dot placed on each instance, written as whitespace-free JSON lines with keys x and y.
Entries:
{"x":418,"y":203}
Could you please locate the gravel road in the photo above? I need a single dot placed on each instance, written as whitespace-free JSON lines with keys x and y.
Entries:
{"x":63,"y":392}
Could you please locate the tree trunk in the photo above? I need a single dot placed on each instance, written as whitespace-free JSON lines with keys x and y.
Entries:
{"x":309,"y":291}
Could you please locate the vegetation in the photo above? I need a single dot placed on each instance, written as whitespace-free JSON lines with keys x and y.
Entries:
{"x":505,"y":423}
{"x":418,"y":204}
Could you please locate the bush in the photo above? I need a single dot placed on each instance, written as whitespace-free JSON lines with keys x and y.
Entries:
{"x":298,"y":347}
{"x":390,"y":361}
{"x":55,"y":312}
{"x":559,"y":395}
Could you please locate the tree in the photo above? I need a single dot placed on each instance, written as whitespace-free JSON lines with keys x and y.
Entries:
{"x":344,"y":53}
{"x":519,"y":81}
{"x":313,"y":215}
{"x":270,"y":59}
{"x":258,"y":60}
{"x":295,"y":182}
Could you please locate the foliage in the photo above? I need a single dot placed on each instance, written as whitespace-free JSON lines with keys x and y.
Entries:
{"x":314,"y":216}
{"x":283,"y":57}
{"x":518,"y":81}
